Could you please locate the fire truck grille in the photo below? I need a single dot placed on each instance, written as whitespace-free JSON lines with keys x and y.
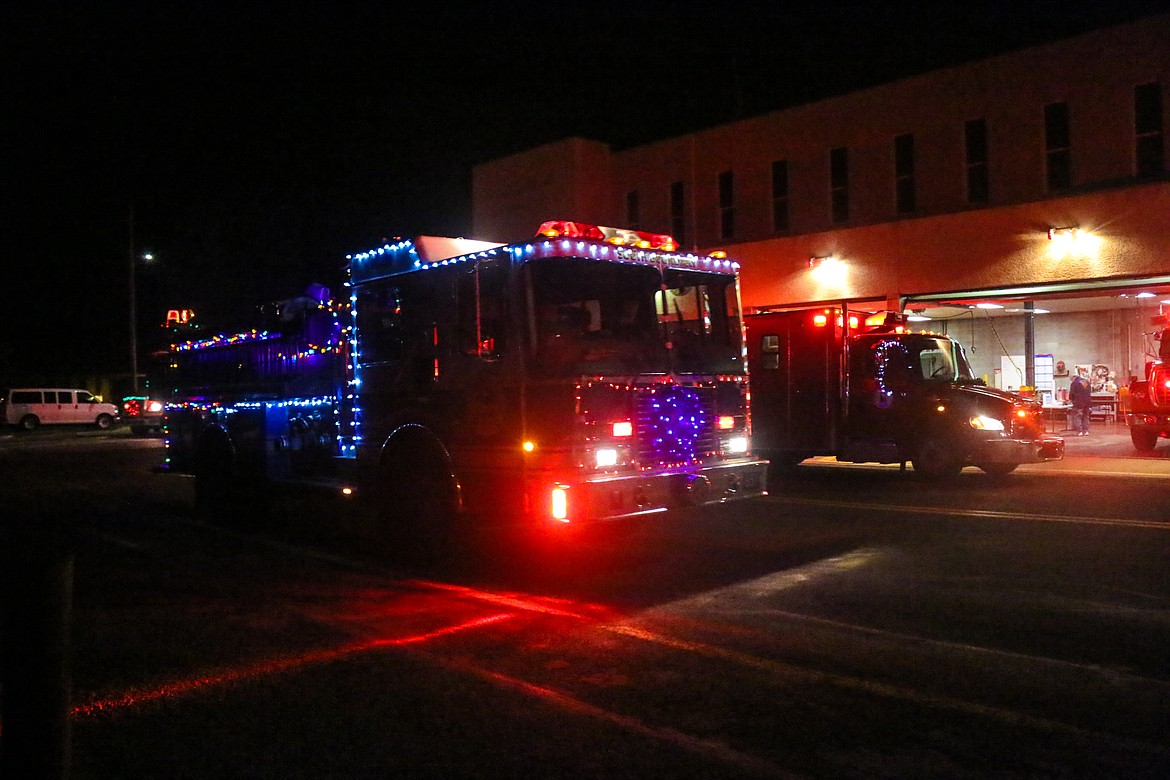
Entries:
{"x":675,"y":424}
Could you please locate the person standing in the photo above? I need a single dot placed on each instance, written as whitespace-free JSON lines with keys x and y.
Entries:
{"x":1081,"y":397}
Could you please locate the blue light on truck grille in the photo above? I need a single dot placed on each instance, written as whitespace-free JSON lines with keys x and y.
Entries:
{"x":673,"y":424}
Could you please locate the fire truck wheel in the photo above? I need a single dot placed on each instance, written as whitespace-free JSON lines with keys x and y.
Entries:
{"x":934,"y":460}
{"x":29,"y":422}
{"x":418,"y":505}
{"x":216,"y":487}
{"x":1144,"y":440}
{"x":782,"y":465}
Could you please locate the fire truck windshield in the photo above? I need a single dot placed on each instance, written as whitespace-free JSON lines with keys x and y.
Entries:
{"x":590,"y":317}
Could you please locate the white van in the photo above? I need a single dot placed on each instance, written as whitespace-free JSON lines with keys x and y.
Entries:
{"x":31,"y":407}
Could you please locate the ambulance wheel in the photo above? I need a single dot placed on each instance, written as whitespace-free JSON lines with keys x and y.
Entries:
{"x":998,"y":469}
{"x":934,"y":460}
{"x":29,"y":422}
{"x":1144,"y":440}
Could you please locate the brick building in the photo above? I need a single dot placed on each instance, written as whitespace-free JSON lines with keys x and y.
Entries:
{"x":1035,"y":181}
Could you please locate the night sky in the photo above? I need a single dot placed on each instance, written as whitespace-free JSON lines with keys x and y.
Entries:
{"x":257,"y":144}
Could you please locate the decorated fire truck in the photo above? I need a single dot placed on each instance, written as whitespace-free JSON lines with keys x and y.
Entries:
{"x":589,"y":374}
{"x":861,"y":387}
{"x":1148,"y":415}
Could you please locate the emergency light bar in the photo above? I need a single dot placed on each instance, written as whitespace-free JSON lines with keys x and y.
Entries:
{"x":611,"y":235}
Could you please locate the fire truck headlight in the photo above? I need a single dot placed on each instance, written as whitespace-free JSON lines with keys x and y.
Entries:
{"x":737,"y":445}
{"x":605,"y":458}
{"x":984,"y":423}
{"x":559,"y":505}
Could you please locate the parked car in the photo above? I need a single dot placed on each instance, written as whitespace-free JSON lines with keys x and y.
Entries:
{"x":143,"y":414}
{"x":32,"y":407}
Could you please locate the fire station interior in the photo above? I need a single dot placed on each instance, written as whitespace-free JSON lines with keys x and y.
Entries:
{"x":1108,"y":336}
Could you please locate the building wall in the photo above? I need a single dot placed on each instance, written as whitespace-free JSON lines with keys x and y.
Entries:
{"x":569,"y":180}
{"x":946,"y":243}
{"x":1094,"y":74}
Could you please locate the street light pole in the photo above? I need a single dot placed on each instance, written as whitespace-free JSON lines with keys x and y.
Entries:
{"x":133,"y":274}
{"x":133,"y":310}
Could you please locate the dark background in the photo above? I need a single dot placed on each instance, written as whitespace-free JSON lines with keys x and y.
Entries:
{"x":257,"y":144}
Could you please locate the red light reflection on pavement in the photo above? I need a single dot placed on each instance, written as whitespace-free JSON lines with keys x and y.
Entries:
{"x":178,"y":688}
{"x":541,"y":604}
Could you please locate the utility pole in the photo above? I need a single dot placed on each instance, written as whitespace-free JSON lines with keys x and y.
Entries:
{"x":133,"y":309}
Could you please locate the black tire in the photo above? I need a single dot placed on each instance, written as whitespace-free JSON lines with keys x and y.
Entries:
{"x":104,"y":421}
{"x":418,"y":505}
{"x":782,"y":466}
{"x":999,"y":469}
{"x":935,"y":460}
{"x":1144,"y":439}
{"x":217,"y":489}
{"x":30,"y":422}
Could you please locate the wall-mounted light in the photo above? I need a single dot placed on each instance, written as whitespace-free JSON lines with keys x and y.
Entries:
{"x":1072,"y":240}
{"x":828,"y":269}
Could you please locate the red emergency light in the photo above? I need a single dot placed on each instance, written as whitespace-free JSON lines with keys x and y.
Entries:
{"x":610,"y":235}
{"x":821,"y":319}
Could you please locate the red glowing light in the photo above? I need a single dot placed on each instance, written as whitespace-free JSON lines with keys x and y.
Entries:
{"x":178,"y":688}
{"x":725,"y":422}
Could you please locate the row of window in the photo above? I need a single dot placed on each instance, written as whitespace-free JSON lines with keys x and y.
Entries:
{"x":1148,"y":152}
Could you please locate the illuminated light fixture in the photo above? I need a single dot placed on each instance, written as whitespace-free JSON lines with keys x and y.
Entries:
{"x":616,"y":236}
{"x":623,"y":429}
{"x":718,"y":254}
{"x":528,"y":446}
{"x":820,"y":320}
{"x":917,"y":318}
{"x":988,"y":306}
{"x":347,"y":491}
{"x":725,"y":422}
{"x":1144,"y":295}
{"x":1072,"y":240}
{"x":605,"y":458}
{"x":984,"y":423}
{"x":737,"y":445}
{"x":559,"y":504}
{"x":828,"y":270}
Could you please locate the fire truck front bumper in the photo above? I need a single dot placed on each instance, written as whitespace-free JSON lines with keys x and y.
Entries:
{"x":614,"y":497}
{"x":1039,"y":450}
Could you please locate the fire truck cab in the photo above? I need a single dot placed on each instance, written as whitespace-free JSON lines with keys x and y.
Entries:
{"x":861,"y":388}
{"x":589,"y":374}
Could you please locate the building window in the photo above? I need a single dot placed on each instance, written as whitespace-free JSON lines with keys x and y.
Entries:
{"x":726,"y":205}
{"x":1147,"y":120}
{"x":839,"y":183}
{"x":904,"y":189}
{"x":1057,"y":146}
{"x":780,"y":196}
{"x":678,"y":211}
{"x":633,"y":209}
{"x":975,"y":139}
